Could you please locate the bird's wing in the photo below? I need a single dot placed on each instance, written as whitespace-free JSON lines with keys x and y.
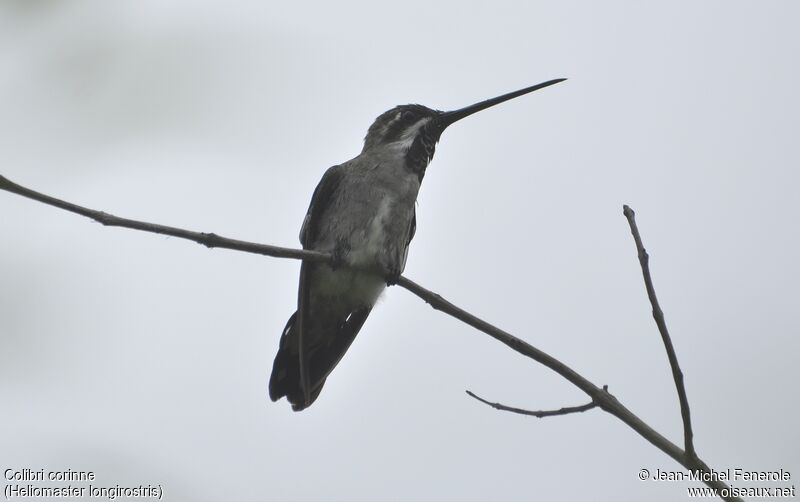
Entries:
{"x":323,"y":361}
{"x":322,"y":197}
{"x":411,"y":231}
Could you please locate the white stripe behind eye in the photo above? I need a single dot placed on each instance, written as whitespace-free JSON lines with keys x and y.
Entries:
{"x":409,"y":134}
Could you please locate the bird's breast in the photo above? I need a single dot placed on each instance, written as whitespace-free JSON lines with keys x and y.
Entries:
{"x":375,"y":237}
{"x":370,"y":221}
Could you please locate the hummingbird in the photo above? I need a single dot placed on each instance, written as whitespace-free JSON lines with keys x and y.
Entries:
{"x":362,"y":213}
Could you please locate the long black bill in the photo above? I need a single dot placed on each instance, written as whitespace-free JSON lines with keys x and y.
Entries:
{"x":447,"y":118}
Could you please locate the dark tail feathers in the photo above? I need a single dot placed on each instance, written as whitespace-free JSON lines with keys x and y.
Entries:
{"x":285,"y":378}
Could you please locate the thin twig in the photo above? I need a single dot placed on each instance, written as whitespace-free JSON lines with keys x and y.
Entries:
{"x":604,"y":400}
{"x":538,"y":414}
{"x":658,"y":315}
{"x":210,"y":240}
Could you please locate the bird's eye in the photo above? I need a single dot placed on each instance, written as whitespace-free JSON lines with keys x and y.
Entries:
{"x":408,"y":115}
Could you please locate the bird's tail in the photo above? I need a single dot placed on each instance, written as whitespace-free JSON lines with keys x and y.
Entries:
{"x":285,"y":378}
{"x":321,"y":359}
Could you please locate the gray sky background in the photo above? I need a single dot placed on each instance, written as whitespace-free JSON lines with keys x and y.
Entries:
{"x":146,"y":359}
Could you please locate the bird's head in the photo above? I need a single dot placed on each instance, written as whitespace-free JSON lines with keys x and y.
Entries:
{"x":408,"y":130}
{"x":400,"y":125}
{"x":414,"y":130}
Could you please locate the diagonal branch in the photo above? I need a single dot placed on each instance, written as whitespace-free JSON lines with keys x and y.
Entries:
{"x":603,"y":399}
{"x":658,"y":315}
{"x":538,"y":414}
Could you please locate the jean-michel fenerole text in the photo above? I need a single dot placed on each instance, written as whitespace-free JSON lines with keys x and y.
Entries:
{"x":735,"y":474}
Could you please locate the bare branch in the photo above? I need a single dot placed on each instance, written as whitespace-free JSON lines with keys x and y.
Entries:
{"x":538,"y":414}
{"x":210,"y":240}
{"x":600,"y":397}
{"x":658,"y":315}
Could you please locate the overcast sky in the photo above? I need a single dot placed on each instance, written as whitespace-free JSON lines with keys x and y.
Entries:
{"x":146,"y":359}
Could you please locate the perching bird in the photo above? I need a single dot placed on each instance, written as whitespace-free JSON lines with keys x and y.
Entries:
{"x":362,"y":213}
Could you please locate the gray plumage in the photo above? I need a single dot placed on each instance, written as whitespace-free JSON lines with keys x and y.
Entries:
{"x":362,"y":213}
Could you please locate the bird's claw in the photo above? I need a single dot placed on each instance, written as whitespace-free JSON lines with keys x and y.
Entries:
{"x":393,"y":276}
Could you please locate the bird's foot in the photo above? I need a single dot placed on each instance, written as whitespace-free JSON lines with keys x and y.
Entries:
{"x":393,"y":275}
